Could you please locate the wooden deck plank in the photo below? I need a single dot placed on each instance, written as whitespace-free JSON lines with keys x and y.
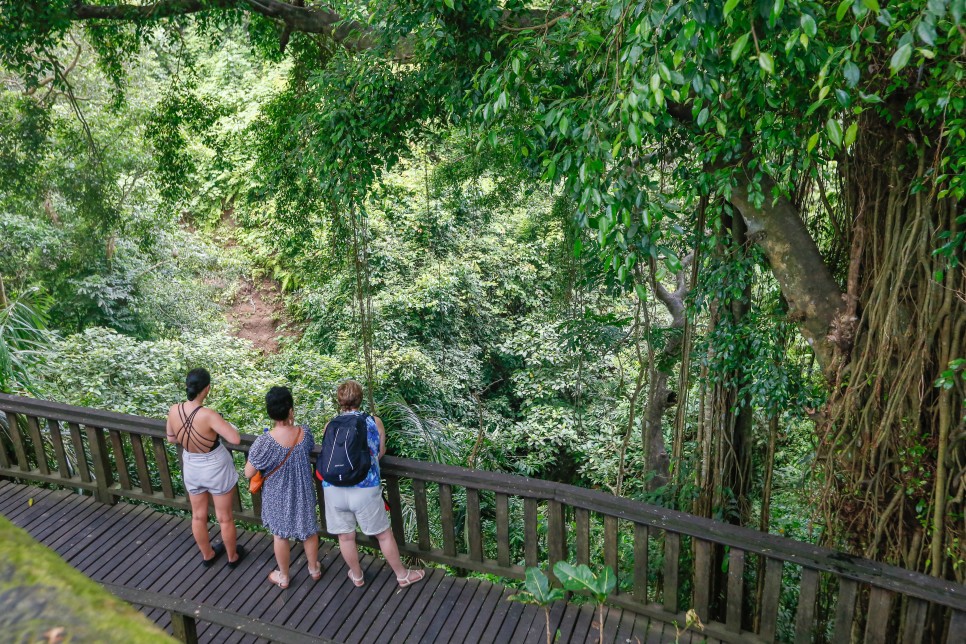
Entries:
{"x":139,"y":547}
{"x":427,"y":607}
{"x":451,"y":611}
{"x":473,"y":630}
{"x":458,"y":632}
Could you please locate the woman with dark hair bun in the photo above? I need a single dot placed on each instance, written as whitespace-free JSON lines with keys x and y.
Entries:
{"x":208,"y":469}
{"x":288,"y":491}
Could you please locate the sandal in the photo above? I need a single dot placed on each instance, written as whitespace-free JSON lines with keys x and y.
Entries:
{"x":277,"y":578}
{"x":412,"y":576}
{"x":317,"y":573}
{"x":360,"y":582}
{"x":219,"y":550}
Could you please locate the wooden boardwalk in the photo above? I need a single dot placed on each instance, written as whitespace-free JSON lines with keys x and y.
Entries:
{"x":138,"y":547}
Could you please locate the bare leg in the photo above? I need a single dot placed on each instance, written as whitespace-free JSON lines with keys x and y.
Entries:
{"x":387,"y":543}
{"x":223,"y":512}
{"x":347,"y":546}
{"x":199,"y":523}
{"x":282,"y":555}
{"x":311,"y":546}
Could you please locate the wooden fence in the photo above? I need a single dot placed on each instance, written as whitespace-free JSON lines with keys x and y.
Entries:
{"x":667,"y":561}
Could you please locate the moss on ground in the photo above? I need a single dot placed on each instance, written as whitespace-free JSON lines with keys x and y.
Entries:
{"x":43,"y":599}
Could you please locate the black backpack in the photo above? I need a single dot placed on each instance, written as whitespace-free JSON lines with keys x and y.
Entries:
{"x":345,"y":459}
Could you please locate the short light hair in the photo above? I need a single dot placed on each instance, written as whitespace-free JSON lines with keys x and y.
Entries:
{"x":349,"y":395}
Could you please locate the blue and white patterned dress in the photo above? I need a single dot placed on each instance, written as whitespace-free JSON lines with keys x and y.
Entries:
{"x":288,"y":495}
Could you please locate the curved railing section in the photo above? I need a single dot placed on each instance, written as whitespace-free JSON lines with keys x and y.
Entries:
{"x":667,"y":561}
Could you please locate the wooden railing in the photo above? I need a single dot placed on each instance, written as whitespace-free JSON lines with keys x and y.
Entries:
{"x":667,"y":561}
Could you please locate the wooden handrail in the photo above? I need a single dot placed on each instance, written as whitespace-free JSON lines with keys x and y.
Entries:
{"x":448,"y":505}
{"x":185,"y":613}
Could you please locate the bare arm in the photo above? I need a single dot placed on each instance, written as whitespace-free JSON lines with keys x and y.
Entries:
{"x":382,"y":436}
{"x":170,"y":429}
{"x":223,"y":428}
{"x":249,"y":470}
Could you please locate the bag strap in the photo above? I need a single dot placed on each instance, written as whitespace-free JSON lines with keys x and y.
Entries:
{"x":290,"y":449}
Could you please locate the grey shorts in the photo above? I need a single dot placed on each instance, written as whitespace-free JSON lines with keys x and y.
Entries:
{"x":346,"y":506}
{"x":212,"y":472}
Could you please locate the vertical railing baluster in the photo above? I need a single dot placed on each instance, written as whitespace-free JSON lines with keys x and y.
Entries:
{"x":6,"y":461}
{"x":395,"y":510}
{"x":610,"y":545}
{"x":844,"y":611}
{"x":161,"y":462}
{"x":474,"y":527}
{"x":672,"y":553}
{"x":183,"y":628}
{"x":768,"y":617}
{"x":80,"y":455}
{"x":422,"y":515}
{"x":877,"y":620}
{"x":736,"y":588}
{"x":18,"y":448}
{"x":141,"y":464}
{"x":446,"y":519}
{"x":120,"y":461}
{"x":702,"y":578}
{"x":582,"y":519}
{"x":914,"y":620}
{"x":102,"y":465}
{"x":531,"y":547}
{"x":556,"y":533}
{"x":503,"y":530}
{"x":640,"y":562}
{"x":40,"y":453}
{"x":805,"y":614}
{"x":60,"y":454}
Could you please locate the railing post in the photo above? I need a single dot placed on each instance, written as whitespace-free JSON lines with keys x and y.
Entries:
{"x":183,"y":628}
{"x":556,"y":534}
{"x":102,"y":467}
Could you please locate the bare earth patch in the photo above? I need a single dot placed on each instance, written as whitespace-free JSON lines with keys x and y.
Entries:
{"x":257,"y":314}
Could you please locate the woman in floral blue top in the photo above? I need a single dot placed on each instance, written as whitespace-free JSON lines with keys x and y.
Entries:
{"x":288,"y":493}
{"x":362,"y":503}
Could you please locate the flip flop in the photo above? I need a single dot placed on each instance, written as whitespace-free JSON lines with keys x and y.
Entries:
{"x":412,"y":577}
{"x":277,"y":578}
{"x":219,"y":550}
{"x":358,"y":583}
{"x":240,"y":553}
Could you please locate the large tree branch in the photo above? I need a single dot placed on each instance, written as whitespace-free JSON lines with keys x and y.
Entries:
{"x":814,"y":298}
{"x":351,"y":34}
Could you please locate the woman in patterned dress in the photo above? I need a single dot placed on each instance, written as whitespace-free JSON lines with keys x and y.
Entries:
{"x":288,"y":493}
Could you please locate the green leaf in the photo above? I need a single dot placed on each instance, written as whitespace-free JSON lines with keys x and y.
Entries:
{"x":901,"y":58}
{"x":872,"y":4}
{"x":739,"y":47}
{"x":851,"y":73}
{"x":927,"y":32}
{"x":808,"y":25}
{"x":834,"y":130}
{"x":843,"y":7}
{"x":703,"y":117}
{"x":851,"y":133}
{"x":729,"y":7}
{"x":812,"y":142}
{"x":766,"y":62}
{"x":634,"y":133}
{"x":606,"y":582}
{"x":580,"y":579}
{"x":538,"y":585}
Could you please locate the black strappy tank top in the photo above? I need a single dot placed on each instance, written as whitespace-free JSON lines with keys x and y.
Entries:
{"x":191,"y":435}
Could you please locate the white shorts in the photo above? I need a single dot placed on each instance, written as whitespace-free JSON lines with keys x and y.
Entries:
{"x":212,"y":472}
{"x":346,"y":506}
